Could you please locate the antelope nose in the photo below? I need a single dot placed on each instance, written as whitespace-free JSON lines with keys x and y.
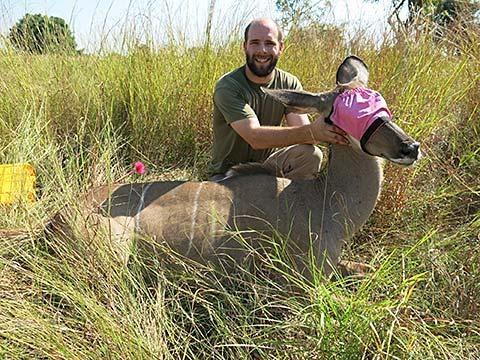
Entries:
{"x":410,"y":150}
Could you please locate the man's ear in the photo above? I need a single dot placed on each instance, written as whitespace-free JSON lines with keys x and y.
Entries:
{"x":281,"y":47}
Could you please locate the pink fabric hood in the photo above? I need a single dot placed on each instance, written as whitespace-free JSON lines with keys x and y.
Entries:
{"x":356,"y":109}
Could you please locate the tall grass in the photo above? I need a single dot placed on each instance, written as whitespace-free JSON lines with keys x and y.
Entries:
{"x":81,"y":121}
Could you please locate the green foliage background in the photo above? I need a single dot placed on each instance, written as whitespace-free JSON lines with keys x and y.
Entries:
{"x":82,"y":120}
{"x":42,"y":34}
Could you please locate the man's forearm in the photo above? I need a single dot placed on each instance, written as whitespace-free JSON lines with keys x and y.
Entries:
{"x":267,"y":137}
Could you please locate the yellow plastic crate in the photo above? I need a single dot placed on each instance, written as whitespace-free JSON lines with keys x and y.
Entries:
{"x":17,"y":182}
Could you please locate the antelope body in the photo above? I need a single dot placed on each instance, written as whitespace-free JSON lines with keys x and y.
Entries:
{"x":318,"y":216}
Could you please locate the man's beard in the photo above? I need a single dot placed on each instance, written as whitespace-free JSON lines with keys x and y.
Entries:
{"x":261,"y":71}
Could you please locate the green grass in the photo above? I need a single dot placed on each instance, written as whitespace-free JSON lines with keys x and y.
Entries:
{"x":81,"y":121}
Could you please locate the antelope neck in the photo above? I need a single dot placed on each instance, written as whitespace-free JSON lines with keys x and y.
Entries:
{"x":352,"y":183}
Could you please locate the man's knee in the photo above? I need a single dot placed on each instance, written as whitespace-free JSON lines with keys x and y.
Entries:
{"x":310,"y":153}
{"x":298,"y":162}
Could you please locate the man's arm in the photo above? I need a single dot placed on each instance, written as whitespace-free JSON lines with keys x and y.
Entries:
{"x":294,"y":119}
{"x":266,"y":137}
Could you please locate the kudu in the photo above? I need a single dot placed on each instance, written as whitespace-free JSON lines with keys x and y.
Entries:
{"x":318,"y":216}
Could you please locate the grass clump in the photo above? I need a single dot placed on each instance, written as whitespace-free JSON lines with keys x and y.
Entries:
{"x":82,"y":120}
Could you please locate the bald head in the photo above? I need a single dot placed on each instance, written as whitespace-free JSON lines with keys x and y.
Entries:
{"x":264,"y":23}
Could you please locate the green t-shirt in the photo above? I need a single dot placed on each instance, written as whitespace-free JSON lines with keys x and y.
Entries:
{"x":236,"y":98}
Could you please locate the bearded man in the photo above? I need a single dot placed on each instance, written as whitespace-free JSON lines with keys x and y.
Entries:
{"x":246,"y":122}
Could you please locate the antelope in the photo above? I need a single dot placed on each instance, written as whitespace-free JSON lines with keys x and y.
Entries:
{"x":196,"y":219}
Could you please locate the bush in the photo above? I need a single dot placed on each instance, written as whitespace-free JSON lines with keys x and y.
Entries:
{"x":42,"y":34}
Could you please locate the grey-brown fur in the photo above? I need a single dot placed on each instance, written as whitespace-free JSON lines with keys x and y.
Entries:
{"x":251,"y":168}
{"x":196,"y":218}
{"x":311,"y":103}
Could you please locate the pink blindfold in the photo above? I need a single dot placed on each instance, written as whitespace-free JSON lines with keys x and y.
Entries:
{"x":356,"y":109}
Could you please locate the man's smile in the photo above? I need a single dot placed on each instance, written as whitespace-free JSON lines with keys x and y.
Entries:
{"x":262,"y":59}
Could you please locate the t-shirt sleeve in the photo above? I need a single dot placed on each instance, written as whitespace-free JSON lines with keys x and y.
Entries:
{"x":295,"y":85}
{"x":231,"y":103}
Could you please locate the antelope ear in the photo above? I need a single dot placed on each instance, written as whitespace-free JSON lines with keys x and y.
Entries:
{"x":352,"y":70}
{"x":304,"y":102}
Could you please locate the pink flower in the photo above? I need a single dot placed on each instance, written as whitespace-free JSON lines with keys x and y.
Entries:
{"x":139,"y":168}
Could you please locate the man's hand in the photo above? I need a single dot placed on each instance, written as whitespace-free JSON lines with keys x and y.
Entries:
{"x":321,"y":131}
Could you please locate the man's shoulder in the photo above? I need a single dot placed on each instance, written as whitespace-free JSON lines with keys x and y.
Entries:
{"x":284,"y":73}
{"x":286,"y":80}
{"x":233,"y":78}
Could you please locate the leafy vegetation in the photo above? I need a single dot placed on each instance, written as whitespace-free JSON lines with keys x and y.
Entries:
{"x":42,"y":34}
{"x":81,"y":121}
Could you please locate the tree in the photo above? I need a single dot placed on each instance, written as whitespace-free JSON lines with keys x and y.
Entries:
{"x":457,"y":24}
{"x":42,"y":34}
{"x":442,"y":12}
{"x":295,"y":14}
{"x":448,"y":12}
